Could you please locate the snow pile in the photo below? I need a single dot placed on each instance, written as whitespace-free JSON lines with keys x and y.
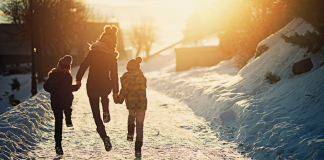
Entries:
{"x":267,"y":121}
{"x":20,"y":126}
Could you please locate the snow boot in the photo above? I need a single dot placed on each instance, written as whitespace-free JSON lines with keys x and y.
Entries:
{"x":105,"y":108}
{"x":130,"y":134}
{"x":59,"y":150}
{"x":138,"y":149}
{"x":107,"y":143}
{"x":104,"y":137}
{"x":68,"y":122}
{"x":106,"y":116}
{"x":58,"y":144}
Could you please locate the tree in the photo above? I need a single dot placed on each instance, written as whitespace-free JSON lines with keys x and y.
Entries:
{"x":143,"y":35}
{"x":57,"y":26}
{"x":312,"y":12}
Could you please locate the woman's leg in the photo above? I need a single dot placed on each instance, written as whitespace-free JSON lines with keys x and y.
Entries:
{"x":140,"y":115}
{"x":105,"y":108}
{"x":94,"y":102}
{"x":58,"y":115}
{"x":105,"y":103}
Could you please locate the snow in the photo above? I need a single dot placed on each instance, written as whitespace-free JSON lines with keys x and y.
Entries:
{"x":20,"y":126}
{"x":271,"y":121}
{"x":217,"y":112}
{"x":23,"y":94}
{"x":172,"y":130}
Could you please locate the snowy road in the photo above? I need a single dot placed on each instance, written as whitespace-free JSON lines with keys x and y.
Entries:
{"x":171,"y":131}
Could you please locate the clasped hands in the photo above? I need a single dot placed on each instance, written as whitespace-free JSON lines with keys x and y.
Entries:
{"x":79,"y":84}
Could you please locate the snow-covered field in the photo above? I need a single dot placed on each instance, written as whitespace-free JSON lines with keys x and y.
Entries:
{"x":204,"y":113}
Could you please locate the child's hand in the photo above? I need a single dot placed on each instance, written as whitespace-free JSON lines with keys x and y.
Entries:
{"x":79,"y":84}
{"x":115,"y":96}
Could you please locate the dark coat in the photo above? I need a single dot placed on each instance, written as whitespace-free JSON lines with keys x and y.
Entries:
{"x":59,"y":85}
{"x":103,"y":73}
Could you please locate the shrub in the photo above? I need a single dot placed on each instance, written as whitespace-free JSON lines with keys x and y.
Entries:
{"x":272,"y":79}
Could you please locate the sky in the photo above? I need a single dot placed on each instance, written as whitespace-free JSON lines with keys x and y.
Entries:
{"x":168,"y":15}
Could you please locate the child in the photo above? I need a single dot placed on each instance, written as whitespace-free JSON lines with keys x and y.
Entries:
{"x":134,"y":91}
{"x":59,"y":85}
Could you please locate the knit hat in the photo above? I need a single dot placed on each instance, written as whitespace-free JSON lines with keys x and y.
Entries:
{"x":134,"y":64}
{"x":65,"y":62}
{"x":109,"y":36}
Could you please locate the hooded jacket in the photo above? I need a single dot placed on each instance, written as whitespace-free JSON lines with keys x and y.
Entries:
{"x":103,"y":76}
{"x":133,"y":90}
{"x":59,"y":85}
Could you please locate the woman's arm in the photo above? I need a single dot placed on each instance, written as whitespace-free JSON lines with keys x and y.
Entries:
{"x":114,"y":76}
{"x":126,"y":87}
{"x":83,"y":67}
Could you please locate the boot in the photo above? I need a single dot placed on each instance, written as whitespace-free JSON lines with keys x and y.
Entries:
{"x":59,"y":150}
{"x":104,"y":138}
{"x":58,"y":145}
{"x":106,"y":116}
{"x":105,"y":108}
{"x":68,"y":119}
{"x":107,"y":144}
{"x":68,"y":122}
{"x":138,"y":148}
{"x":130,"y":134}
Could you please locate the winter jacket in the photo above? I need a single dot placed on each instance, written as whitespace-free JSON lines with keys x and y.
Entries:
{"x":133,"y":90}
{"x":59,"y":85}
{"x":103,"y":76}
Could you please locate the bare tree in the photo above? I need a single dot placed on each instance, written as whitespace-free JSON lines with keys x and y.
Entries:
{"x":57,"y":26}
{"x":143,"y":35}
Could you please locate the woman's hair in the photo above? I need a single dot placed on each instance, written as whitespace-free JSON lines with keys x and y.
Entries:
{"x":109,"y":37}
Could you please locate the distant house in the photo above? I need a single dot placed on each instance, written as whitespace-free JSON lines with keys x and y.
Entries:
{"x":201,"y":53}
{"x":16,"y":49}
{"x":13,"y":49}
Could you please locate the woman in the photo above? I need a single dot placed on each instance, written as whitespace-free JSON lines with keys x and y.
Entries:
{"x":102,"y":78}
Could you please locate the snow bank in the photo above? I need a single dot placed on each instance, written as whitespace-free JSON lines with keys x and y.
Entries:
{"x":20,"y":126}
{"x":267,"y":121}
{"x":22,"y":94}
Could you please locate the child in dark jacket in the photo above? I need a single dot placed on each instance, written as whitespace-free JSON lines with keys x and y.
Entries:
{"x":134,"y":93}
{"x":59,"y":85}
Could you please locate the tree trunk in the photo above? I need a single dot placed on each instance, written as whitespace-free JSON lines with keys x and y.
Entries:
{"x":138,"y":51}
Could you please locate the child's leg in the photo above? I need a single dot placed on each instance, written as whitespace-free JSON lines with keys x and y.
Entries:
{"x":140,"y":115}
{"x":68,"y":120}
{"x":131,"y":125}
{"x":58,"y":127}
{"x":105,"y":108}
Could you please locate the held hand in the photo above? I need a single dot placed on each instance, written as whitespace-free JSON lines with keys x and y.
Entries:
{"x":79,"y":84}
{"x":115,"y":96}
